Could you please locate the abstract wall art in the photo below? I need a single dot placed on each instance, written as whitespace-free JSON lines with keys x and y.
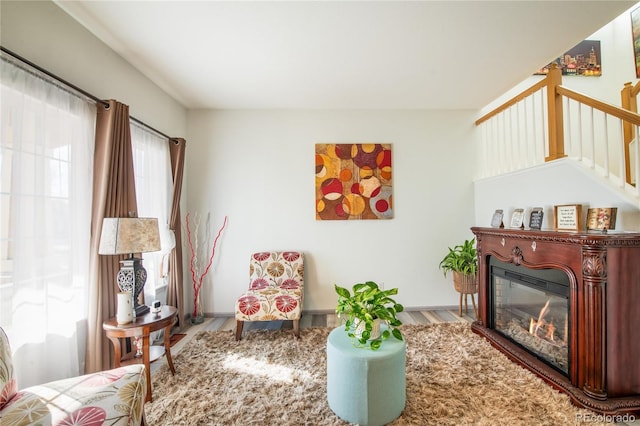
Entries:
{"x":353,"y":181}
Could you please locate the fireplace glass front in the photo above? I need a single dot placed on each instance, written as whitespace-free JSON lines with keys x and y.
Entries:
{"x":531,"y":307}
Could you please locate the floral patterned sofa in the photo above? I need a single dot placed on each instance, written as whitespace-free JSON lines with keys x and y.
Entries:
{"x":113,"y":397}
{"x":276,"y":289}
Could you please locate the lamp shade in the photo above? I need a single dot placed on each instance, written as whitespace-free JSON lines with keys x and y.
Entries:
{"x":128,"y":235}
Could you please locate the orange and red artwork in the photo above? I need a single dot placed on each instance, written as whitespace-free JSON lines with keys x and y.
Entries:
{"x":353,"y":181}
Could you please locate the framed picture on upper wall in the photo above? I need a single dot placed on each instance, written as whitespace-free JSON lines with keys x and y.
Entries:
{"x":635,"y":31}
{"x":584,"y":59}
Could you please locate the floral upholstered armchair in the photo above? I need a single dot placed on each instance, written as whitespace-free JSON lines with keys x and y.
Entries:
{"x":113,"y":397}
{"x":276,"y":288}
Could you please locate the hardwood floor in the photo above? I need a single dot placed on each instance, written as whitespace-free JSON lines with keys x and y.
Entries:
{"x":331,"y":320}
{"x":228,"y":323}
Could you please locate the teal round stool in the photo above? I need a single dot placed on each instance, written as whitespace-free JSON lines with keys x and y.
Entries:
{"x":365,"y":387}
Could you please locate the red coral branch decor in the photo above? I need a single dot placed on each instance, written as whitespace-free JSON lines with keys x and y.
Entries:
{"x":197,"y":275}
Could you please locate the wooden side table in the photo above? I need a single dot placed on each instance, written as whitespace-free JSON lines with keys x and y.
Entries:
{"x":142,"y":327}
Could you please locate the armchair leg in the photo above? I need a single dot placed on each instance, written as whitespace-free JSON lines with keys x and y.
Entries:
{"x":239,"y":325}
{"x":296,"y":328}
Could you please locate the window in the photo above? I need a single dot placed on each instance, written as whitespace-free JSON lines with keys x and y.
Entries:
{"x":46,"y":156}
{"x":46,"y":171}
{"x":154,"y":188}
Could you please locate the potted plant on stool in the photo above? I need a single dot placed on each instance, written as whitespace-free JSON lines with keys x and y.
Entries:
{"x":366,"y":387}
{"x":462,"y":261}
{"x":365,"y":309}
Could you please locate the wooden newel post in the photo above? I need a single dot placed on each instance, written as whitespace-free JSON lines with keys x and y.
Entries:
{"x":555,"y":115}
{"x":628,"y":102}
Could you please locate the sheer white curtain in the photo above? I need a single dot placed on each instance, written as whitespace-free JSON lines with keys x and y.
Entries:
{"x":154,"y":186}
{"x":46,"y":156}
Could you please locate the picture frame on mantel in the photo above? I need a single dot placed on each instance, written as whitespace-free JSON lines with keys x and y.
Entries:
{"x":517,"y":219}
{"x":496,"y":220}
{"x":535,"y":219}
{"x":601,"y":219}
{"x":567,"y":216}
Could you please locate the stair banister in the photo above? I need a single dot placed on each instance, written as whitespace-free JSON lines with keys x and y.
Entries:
{"x":557,"y":106}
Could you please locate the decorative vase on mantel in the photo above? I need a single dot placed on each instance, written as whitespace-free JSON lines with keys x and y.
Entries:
{"x":197,"y":316}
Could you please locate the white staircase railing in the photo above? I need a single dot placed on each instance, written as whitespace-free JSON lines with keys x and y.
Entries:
{"x":549,"y":121}
{"x":513,"y":139}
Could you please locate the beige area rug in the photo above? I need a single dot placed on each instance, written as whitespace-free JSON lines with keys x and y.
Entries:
{"x":454,"y":377}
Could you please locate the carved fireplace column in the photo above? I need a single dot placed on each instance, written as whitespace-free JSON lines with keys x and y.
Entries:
{"x":594,"y":274}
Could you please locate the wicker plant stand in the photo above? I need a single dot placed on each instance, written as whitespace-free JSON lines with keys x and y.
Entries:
{"x":466,"y":285}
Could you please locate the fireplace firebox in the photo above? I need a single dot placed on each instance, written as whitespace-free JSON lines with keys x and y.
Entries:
{"x":531,"y":307}
{"x":564,"y":304}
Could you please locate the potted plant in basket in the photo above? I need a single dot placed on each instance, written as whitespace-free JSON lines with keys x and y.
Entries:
{"x":364,"y":310}
{"x":462,"y":261}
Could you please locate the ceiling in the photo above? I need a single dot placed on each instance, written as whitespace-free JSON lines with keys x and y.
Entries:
{"x":340,"y":54}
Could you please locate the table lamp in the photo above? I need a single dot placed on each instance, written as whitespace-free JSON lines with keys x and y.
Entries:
{"x":130,"y":235}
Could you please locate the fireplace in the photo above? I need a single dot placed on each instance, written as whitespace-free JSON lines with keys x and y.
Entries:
{"x":531,"y":308}
{"x":564,"y":306}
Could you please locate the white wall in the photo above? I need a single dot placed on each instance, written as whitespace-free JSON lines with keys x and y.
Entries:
{"x":229,"y":153}
{"x":265,"y":158}
{"x":42,"y":33}
{"x":559,"y":182}
{"x":257,"y":167}
{"x":618,"y":65}
{"x":566,"y":181}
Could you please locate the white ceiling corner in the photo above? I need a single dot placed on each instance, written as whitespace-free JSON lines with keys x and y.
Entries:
{"x":340,"y":54}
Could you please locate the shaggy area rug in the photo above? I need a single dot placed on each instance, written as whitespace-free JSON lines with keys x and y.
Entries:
{"x":454,"y":377}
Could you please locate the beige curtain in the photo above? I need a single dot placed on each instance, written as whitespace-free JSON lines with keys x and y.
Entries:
{"x":175,"y":290}
{"x":114,"y":195}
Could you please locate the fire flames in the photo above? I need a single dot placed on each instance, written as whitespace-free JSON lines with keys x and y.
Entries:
{"x":546,"y":330}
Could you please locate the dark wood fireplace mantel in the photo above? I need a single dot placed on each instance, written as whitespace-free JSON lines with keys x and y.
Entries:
{"x":604,"y":301}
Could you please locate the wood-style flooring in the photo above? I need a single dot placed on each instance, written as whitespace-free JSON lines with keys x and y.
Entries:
{"x":331,"y":320}
{"x":228,"y":323}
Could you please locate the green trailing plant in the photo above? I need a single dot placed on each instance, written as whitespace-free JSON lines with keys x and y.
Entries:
{"x":364,"y":304}
{"x":462,"y":258}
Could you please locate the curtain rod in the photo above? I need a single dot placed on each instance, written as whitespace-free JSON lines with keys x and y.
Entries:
{"x":76,"y":88}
